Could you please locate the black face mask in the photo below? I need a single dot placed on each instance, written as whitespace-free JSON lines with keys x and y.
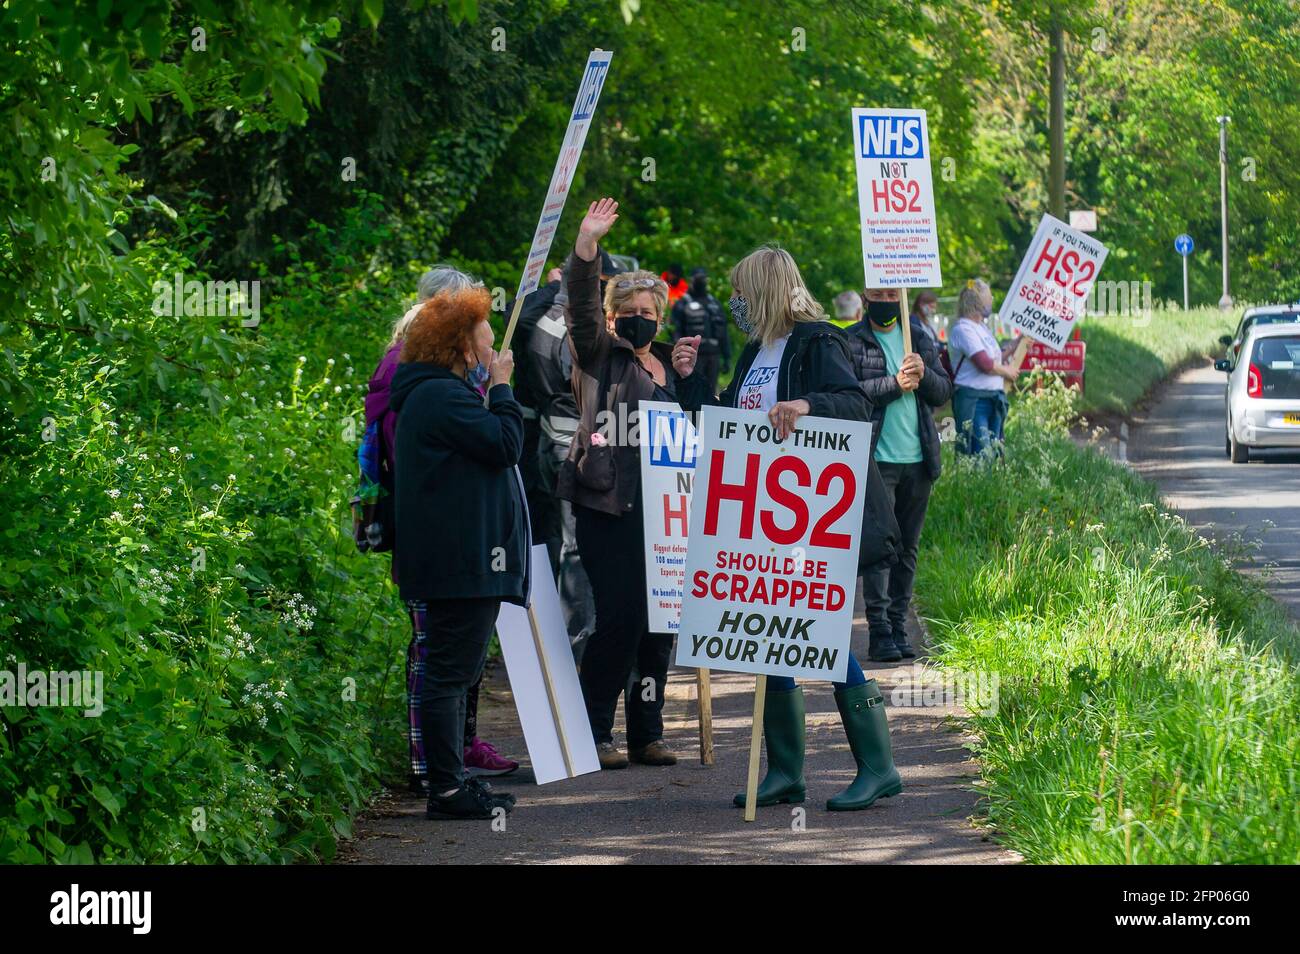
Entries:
{"x":882,"y":313}
{"x":636,"y":329}
{"x":700,"y":287}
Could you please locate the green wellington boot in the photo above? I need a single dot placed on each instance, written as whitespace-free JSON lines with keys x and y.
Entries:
{"x":862,"y":710}
{"x":783,"y":735}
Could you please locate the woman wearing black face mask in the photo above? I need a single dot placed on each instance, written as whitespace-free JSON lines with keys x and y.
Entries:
{"x":617,"y":364}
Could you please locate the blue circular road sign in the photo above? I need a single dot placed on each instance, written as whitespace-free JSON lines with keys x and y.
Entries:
{"x":1183,"y":245}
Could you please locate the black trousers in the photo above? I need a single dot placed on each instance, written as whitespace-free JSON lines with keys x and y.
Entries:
{"x":709,"y":364}
{"x":613,"y":554}
{"x":887,"y":592}
{"x":455,"y":635}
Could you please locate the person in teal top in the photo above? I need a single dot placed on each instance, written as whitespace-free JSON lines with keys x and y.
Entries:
{"x":900,"y":434}
{"x":904,"y":390}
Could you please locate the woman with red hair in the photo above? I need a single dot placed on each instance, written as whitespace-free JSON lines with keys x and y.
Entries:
{"x":462,"y":537}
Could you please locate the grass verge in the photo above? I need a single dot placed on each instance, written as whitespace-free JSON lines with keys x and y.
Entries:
{"x":1128,"y":355}
{"x":1148,"y":698}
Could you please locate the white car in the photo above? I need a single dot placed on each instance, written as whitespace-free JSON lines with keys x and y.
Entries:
{"x":1262,"y":399}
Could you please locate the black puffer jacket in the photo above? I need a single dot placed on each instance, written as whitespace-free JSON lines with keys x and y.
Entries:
{"x":462,"y":523}
{"x":816,"y":367}
{"x":882,"y":388}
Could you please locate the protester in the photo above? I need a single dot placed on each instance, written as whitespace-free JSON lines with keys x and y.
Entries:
{"x":548,"y":372}
{"x":979,"y":400}
{"x":925,"y":307}
{"x":698,"y":313}
{"x":462,"y":523}
{"x":619,"y":365}
{"x":796,"y":363}
{"x":848,"y":309}
{"x":543,"y":508}
{"x":904,"y":390}
{"x":481,"y":758}
{"x":677,"y":286}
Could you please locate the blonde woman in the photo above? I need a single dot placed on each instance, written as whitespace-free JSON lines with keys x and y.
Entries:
{"x":797,"y":363}
{"x":618,"y":364}
{"x":979,"y":400}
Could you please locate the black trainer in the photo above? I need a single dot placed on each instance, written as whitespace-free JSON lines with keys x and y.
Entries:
{"x":504,"y":799}
{"x":904,"y":647}
{"x":881,"y":648}
{"x":464,"y":803}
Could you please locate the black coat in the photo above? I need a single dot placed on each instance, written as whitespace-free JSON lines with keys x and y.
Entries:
{"x":462,"y":523}
{"x":882,"y":388}
{"x":607,"y":379}
{"x":816,"y":367}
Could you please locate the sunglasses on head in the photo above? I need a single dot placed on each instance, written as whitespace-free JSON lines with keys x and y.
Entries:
{"x":636,"y":283}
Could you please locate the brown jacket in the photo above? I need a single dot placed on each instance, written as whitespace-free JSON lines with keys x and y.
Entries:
{"x":606,"y":377}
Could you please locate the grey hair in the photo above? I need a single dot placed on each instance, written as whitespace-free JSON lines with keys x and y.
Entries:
{"x":438,"y":279}
{"x":974,"y":298}
{"x":442,"y":278}
{"x":847,"y":304}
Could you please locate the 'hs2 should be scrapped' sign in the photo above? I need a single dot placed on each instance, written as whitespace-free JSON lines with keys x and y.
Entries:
{"x":1051,"y":286}
{"x":669,"y":448}
{"x":773,"y":548}
{"x":575,"y":136}
{"x":900,"y":234}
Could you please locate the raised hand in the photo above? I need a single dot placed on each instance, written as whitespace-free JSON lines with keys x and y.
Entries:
{"x":600,"y":218}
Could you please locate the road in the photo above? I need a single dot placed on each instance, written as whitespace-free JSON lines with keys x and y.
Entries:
{"x":1178,"y":443}
{"x":683,"y":814}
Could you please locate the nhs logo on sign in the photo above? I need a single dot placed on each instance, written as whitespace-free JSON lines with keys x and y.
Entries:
{"x":673,"y":441}
{"x":891,"y":137}
{"x":589,"y":92}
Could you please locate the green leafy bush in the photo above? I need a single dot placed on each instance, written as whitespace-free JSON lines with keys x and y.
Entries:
{"x":186,"y":535}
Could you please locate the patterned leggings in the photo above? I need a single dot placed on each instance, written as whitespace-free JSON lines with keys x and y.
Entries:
{"x":414,"y":685}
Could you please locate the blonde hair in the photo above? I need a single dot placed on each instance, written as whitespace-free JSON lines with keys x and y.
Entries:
{"x":769,"y":280}
{"x":616,"y":297}
{"x":974,"y":298}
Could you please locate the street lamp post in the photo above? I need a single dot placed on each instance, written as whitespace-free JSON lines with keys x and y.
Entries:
{"x":1226,"y":301}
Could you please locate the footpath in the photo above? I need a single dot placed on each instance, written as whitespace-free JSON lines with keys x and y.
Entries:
{"x":683,"y":814}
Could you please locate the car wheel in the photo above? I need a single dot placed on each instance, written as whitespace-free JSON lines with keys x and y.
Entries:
{"x":1238,"y":453}
{"x":1227,"y":442}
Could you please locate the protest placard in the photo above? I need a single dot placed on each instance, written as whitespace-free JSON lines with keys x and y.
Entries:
{"x":900,"y":231}
{"x":668,"y":451}
{"x":772,"y":554}
{"x":772,"y":558}
{"x":544,"y":680}
{"x":669,"y":445}
{"x":575,"y":136}
{"x":1051,"y":287}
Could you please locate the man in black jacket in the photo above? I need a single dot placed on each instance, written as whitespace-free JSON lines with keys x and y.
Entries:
{"x":543,"y":509}
{"x":904,"y":390}
{"x":698,"y":313}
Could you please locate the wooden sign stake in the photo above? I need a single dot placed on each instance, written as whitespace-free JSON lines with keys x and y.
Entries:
{"x":1017,"y":358}
{"x":510,"y":326}
{"x":550,"y":691}
{"x":755,"y":743}
{"x":906,"y":320}
{"x":704,"y":696}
